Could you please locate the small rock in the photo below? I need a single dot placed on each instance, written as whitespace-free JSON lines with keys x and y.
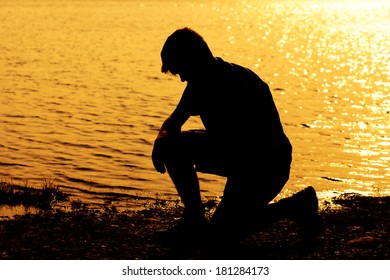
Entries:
{"x":362,"y":241}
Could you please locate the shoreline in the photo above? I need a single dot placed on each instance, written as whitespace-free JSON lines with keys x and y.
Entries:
{"x":17,"y":200}
{"x":355,"y":227}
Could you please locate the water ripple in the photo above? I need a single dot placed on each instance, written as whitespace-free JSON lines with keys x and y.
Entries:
{"x":79,"y":104}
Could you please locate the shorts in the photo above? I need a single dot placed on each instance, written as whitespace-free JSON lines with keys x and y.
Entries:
{"x":249,"y":185}
{"x":252,"y":174}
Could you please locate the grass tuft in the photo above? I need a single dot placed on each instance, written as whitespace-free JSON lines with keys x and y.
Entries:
{"x":43,"y":197}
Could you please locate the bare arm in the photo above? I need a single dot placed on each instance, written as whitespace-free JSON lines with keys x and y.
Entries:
{"x":173,"y":123}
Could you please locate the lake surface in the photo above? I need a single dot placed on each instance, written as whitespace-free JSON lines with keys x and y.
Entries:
{"x":82,"y":96}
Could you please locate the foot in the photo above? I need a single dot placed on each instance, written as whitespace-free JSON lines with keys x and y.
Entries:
{"x":307,"y":213}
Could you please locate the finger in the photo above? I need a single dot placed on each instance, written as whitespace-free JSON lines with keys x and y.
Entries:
{"x":159,"y":165}
{"x":161,"y":169}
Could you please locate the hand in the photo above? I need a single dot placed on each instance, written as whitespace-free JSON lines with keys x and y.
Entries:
{"x":158,"y":155}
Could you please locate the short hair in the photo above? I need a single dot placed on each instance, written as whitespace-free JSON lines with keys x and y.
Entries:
{"x":184,"y":46}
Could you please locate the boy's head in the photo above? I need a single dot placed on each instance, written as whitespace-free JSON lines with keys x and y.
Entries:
{"x":184,"y":51}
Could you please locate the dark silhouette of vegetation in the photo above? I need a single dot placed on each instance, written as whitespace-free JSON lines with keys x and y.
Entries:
{"x":44,"y":197}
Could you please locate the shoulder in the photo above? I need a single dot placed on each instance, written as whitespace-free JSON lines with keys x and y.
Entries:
{"x":236,"y":73}
{"x":236,"y":68}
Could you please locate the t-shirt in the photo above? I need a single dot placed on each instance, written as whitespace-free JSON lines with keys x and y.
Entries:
{"x":237,"y":110}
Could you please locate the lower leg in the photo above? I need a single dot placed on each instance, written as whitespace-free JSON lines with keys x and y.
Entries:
{"x":185,"y":179}
{"x":302,"y":207}
{"x":244,"y":220}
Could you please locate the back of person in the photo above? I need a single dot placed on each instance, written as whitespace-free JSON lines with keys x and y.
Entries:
{"x":238,"y":111}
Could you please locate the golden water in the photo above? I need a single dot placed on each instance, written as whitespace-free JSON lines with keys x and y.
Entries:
{"x":82,"y":96}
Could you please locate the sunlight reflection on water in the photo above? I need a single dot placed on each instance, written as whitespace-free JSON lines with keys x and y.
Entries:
{"x":82,"y":96}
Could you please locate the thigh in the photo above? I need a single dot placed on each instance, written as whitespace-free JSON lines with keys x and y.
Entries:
{"x":258,"y":187}
{"x":252,"y":187}
{"x":204,"y":154}
{"x":244,"y":195}
{"x":258,"y":181}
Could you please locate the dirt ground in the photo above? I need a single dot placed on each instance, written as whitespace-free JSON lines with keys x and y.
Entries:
{"x":355,"y":227}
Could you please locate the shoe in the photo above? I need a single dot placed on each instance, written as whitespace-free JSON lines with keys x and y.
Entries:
{"x":184,"y":233}
{"x":306,"y":214}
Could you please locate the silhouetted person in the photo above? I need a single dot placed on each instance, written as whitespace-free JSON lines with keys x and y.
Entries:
{"x":243,"y":140}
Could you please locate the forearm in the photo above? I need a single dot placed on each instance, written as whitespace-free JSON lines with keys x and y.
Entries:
{"x":172,"y":125}
{"x":167,"y":128}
